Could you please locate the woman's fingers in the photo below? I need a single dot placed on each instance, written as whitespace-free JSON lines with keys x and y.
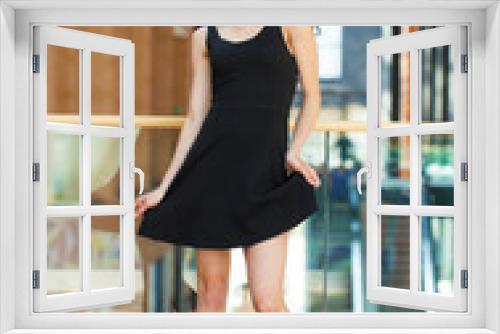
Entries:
{"x":138,"y":211}
{"x":296,"y":163}
{"x":315,"y":176}
{"x":138,"y":202}
{"x":140,"y":205}
{"x":310,"y":174}
{"x":144,"y":202}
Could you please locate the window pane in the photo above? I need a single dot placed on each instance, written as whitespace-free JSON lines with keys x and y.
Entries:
{"x":105,"y":171}
{"x":436,"y":89}
{"x":395,"y":266}
{"x":63,"y":84}
{"x":63,"y":255}
{"x":395,"y":170}
{"x":394,"y":89}
{"x":330,"y":52}
{"x":437,"y":254}
{"x":63,"y":169}
{"x":105,"y":90}
{"x":437,"y":169}
{"x":106,"y":271}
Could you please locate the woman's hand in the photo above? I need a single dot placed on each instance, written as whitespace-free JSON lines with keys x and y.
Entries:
{"x":294,"y":162}
{"x":150,"y":199}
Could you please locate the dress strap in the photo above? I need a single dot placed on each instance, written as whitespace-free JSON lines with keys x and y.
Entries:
{"x":281,"y":37}
{"x":207,"y":38}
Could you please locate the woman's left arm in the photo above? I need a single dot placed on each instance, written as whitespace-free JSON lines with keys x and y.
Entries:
{"x":303,"y":41}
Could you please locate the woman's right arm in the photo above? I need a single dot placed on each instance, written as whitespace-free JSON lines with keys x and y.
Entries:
{"x":198,"y":107}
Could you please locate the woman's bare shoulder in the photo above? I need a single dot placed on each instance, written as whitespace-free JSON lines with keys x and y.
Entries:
{"x":297,"y":35}
{"x":298,"y":31}
{"x":199,"y":39}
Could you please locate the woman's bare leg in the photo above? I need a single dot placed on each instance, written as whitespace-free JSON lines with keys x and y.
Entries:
{"x":266,"y":262}
{"x":212,"y":279}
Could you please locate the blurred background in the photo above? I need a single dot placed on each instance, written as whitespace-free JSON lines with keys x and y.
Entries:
{"x":327,"y":253}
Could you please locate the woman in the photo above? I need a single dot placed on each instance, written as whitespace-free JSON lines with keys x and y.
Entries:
{"x":232,"y":181}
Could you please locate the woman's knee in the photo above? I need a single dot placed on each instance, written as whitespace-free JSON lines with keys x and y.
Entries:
{"x":269,"y":303}
{"x":212,"y":288}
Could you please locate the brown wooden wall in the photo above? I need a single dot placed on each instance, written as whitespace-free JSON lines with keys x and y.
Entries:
{"x":162,"y":83}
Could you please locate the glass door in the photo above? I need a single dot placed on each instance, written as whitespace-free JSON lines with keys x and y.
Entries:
{"x":417,"y":170}
{"x":83,"y":170}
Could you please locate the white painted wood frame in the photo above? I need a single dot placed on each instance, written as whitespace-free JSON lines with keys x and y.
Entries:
{"x":482,"y":17}
{"x":412,"y":44}
{"x":85,"y":43}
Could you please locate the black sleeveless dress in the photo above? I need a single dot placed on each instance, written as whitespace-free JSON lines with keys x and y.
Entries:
{"x":232,"y":189}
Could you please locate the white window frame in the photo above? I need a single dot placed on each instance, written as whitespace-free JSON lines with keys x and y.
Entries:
{"x":413,"y":43}
{"x":15,"y":169}
{"x":85,"y":43}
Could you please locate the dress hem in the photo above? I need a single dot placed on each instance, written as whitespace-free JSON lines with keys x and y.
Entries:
{"x":295,"y":221}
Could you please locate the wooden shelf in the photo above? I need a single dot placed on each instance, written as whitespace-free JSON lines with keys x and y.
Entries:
{"x":176,"y":121}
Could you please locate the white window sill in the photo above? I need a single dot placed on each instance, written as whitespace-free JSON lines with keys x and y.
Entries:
{"x":258,"y":331}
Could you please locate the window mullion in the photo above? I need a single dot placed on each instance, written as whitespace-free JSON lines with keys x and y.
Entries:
{"x":86,"y":177}
{"x":414,"y":171}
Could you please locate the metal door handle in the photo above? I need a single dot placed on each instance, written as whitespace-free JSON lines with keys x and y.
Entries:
{"x":134,"y":170}
{"x":361,"y":171}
